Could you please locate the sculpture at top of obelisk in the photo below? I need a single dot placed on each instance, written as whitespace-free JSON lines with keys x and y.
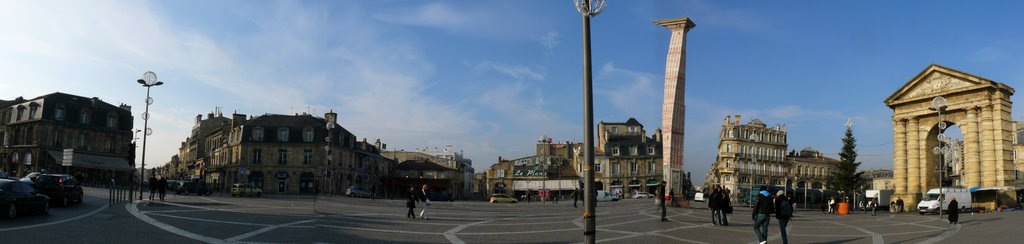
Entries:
{"x":673,"y":112}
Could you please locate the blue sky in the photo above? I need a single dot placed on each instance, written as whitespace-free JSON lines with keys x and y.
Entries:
{"x":490,"y":77}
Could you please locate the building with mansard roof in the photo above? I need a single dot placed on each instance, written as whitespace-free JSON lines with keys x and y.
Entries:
{"x":34,"y":134}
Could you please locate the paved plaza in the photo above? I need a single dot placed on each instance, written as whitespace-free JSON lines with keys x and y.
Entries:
{"x":305,"y":219}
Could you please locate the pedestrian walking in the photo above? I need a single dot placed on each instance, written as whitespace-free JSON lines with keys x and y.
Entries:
{"x":726,"y":206}
{"x":575,"y":197}
{"x":411,"y":203}
{"x":892,"y":206}
{"x":152,"y":188}
{"x":832,"y":205}
{"x":664,"y":198}
{"x":761,"y":214}
{"x":425,"y":198}
{"x":161,"y":187}
{"x":873,"y":205}
{"x":713,"y":205}
{"x":954,"y":211}
{"x":899,"y":204}
{"x":784,"y":211}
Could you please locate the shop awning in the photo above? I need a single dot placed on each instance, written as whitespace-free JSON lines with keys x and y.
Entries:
{"x":90,"y":161}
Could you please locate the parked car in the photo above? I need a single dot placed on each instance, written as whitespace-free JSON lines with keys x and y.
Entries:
{"x":198,"y":188}
{"x":642,"y":195}
{"x":245,"y":190}
{"x":358,"y":192}
{"x":604,"y":196}
{"x":173,"y":185}
{"x":17,"y":197}
{"x":31,"y":177}
{"x":61,"y":188}
{"x":502,"y":198}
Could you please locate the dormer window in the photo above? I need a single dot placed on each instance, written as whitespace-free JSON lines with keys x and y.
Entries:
{"x":84,"y":118}
{"x":615,"y":150}
{"x":282,"y":134}
{"x":58,"y":114}
{"x":633,"y":150}
{"x":307,"y":135}
{"x":257,"y":134}
{"x":32,"y":111}
{"x":650,"y":150}
{"x":111,"y":120}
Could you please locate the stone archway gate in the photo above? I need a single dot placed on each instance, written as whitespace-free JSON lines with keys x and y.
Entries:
{"x":980,"y":107}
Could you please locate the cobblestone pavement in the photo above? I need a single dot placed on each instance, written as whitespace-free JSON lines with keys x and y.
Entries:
{"x":305,"y":219}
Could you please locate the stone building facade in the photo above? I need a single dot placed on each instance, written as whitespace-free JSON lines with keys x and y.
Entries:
{"x":34,"y":133}
{"x":628,"y":161}
{"x":282,"y":154}
{"x":749,"y":154}
{"x":446,"y":157}
{"x":754,"y":154}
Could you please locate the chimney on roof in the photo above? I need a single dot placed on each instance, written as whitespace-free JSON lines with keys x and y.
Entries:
{"x":727,"y":120}
{"x":237,"y":119}
{"x":199,"y":117}
{"x":737,"y":120}
{"x":209,"y":115}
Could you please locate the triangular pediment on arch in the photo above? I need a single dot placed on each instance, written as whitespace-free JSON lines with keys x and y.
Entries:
{"x":938,"y":80}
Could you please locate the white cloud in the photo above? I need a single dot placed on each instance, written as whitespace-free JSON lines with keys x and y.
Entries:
{"x":518,"y":72}
{"x":549,"y":40}
{"x":374,"y":80}
{"x":628,"y":90}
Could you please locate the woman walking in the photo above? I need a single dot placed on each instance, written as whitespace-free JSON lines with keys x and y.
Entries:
{"x":425,"y":197}
{"x":411,"y":203}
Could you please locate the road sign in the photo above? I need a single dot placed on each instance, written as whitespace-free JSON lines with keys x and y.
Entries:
{"x":68,"y":156}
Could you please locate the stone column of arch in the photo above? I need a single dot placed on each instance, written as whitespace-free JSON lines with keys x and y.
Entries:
{"x":988,"y":154}
{"x":900,"y":156}
{"x":1001,"y":137}
{"x":926,"y":173}
{"x":972,"y":157}
{"x":913,"y":150}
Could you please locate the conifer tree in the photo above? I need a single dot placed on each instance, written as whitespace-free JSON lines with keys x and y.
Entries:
{"x":847,"y":179}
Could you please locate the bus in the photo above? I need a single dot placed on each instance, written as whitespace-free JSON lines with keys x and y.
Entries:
{"x":804,"y":198}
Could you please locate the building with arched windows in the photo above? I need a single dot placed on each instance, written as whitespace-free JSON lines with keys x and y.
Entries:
{"x":34,"y":134}
{"x":754,"y":154}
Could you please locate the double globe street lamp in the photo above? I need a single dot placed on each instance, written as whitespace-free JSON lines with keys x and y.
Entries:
{"x":939,"y":104}
{"x":148,"y":80}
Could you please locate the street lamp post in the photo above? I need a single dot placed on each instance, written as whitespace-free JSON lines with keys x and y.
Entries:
{"x":939,"y":105}
{"x":588,"y":8}
{"x":148,"y":80}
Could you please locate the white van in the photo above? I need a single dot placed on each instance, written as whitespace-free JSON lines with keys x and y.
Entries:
{"x":604,"y":196}
{"x":930,"y":203}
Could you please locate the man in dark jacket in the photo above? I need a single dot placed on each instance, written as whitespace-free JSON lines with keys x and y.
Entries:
{"x":725,"y":206}
{"x":783,"y":212}
{"x":712,"y":202}
{"x":954,"y":211}
{"x":411,"y":202}
{"x":761,"y":214}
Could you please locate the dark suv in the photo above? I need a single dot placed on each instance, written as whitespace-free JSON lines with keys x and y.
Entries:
{"x":198,"y":188}
{"x":61,"y":188}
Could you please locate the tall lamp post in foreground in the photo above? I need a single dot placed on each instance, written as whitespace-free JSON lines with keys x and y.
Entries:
{"x":939,"y":105}
{"x":588,"y":8}
{"x":148,"y":80}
